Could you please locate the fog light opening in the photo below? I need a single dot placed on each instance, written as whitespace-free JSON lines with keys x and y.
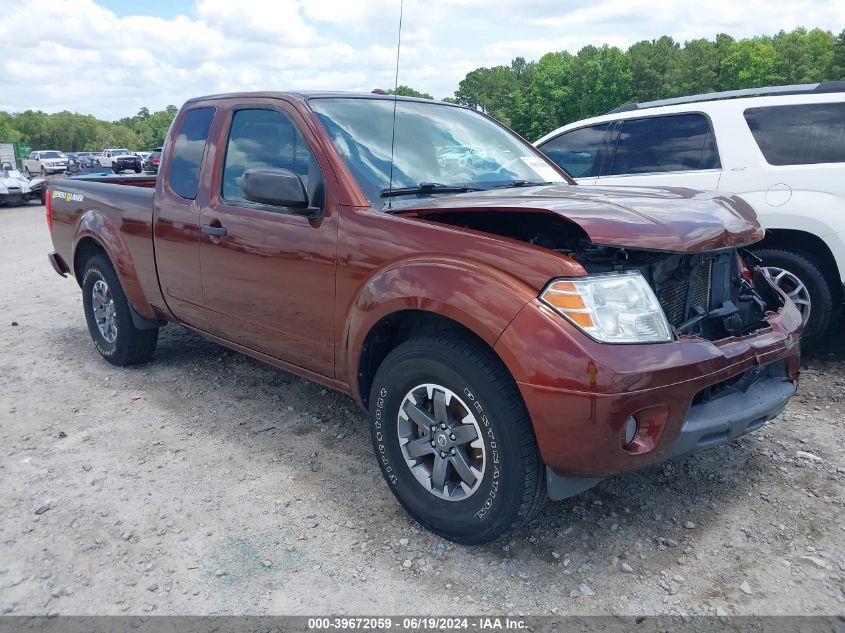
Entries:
{"x":629,"y":431}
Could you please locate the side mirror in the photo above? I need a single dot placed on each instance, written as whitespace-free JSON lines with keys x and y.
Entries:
{"x":276,"y":187}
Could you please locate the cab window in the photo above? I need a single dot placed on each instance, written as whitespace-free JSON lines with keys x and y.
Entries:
{"x":263,"y":139}
{"x":188,"y":150}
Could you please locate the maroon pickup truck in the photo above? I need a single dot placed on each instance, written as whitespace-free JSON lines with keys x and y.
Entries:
{"x":513,"y":336}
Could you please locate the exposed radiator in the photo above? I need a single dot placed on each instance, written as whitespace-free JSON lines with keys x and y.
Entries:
{"x":677,"y":298}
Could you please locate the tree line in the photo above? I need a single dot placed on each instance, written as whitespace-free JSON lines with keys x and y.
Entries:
{"x":531,"y":97}
{"x":73,"y":132}
{"x":537,"y":97}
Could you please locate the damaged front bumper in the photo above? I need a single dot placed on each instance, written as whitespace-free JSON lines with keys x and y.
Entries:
{"x":685,"y":396}
{"x":760,"y":395}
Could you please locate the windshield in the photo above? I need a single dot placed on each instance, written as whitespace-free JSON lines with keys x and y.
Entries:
{"x":434,"y":143}
{"x":119,"y":152}
{"x":52,"y":155}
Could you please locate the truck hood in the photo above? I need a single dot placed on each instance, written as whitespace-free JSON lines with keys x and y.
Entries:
{"x":650,"y":218}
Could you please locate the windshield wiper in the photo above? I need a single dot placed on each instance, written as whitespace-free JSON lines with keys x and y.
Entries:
{"x":522,"y":183}
{"x":427,"y":187}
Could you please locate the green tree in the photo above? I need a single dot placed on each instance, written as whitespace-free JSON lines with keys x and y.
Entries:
{"x":650,"y":63}
{"x":491,"y":90}
{"x":749,"y":64}
{"x":836,"y":68}
{"x":802,"y":57}
{"x":549,"y":96}
{"x":694,"y":70}
{"x":407,"y":91}
{"x":601,"y":80}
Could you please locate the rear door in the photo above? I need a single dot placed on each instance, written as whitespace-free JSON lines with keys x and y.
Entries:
{"x":676,"y":150}
{"x":177,"y":215}
{"x":269,"y":273}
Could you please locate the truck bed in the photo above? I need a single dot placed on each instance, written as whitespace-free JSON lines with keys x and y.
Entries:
{"x":119,"y":207}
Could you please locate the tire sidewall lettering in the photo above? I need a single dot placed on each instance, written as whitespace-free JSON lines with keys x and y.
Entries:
{"x":490,"y":490}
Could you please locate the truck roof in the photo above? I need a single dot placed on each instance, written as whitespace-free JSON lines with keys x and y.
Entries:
{"x":304,"y":95}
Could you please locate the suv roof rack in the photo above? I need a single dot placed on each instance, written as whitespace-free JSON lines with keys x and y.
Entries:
{"x":795,"y":89}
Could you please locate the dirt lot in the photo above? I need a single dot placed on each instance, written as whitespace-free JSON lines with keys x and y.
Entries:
{"x":208,"y":483}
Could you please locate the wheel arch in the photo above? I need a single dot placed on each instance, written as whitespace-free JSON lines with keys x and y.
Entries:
{"x":809,"y":243}
{"x":96,"y":234}
{"x":425,"y":292}
{"x":397,"y":327}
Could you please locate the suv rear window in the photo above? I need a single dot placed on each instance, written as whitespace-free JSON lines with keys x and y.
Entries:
{"x":188,"y":150}
{"x":803,"y":134}
{"x":680,"y":142}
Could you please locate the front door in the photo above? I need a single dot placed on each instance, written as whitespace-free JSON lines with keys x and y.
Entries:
{"x":269,"y":274}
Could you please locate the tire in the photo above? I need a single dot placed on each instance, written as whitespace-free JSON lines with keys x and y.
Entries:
{"x":137,"y":170}
{"x":43,"y":172}
{"x":810,"y":272}
{"x":115,"y":168}
{"x":130,"y":346}
{"x":511,"y":488}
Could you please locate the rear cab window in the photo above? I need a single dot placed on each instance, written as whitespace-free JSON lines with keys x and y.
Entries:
{"x":682,"y":142}
{"x":188,"y":150}
{"x":803,"y":134}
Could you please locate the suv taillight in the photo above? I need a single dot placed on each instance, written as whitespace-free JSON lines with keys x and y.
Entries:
{"x":49,"y":208}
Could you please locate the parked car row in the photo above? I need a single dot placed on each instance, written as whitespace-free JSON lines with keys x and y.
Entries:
{"x":47,"y":162}
{"x":782,"y":149}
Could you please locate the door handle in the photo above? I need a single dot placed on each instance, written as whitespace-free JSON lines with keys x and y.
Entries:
{"x":216,"y":231}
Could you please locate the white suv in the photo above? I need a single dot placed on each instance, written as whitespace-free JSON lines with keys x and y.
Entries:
{"x":782,"y":149}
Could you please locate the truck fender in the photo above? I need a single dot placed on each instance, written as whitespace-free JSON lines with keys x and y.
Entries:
{"x":96,"y":225}
{"x":481,"y":298}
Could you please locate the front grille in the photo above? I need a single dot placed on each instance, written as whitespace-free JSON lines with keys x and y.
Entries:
{"x":677,"y":297}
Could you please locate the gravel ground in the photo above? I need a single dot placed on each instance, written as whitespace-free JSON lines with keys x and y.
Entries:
{"x":208,"y":483}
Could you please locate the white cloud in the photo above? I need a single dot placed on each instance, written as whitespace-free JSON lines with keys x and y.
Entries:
{"x":84,"y":57}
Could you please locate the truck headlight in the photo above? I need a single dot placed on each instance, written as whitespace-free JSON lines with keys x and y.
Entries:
{"x":611,"y":308}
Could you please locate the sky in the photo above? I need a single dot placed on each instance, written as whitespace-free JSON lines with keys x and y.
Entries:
{"x":111,"y":58}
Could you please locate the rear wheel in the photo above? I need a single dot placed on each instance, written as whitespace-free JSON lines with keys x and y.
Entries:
{"x":453,"y":439}
{"x":801,"y":276}
{"x":109,"y":318}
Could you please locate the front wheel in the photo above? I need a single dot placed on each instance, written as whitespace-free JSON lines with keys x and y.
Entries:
{"x":115,"y":168}
{"x":801,"y":276}
{"x":109,"y":318}
{"x":453,"y":439}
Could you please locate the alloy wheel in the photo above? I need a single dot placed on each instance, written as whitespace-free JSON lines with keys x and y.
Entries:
{"x":105,"y":315}
{"x":793,"y":287}
{"x":441,"y":442}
